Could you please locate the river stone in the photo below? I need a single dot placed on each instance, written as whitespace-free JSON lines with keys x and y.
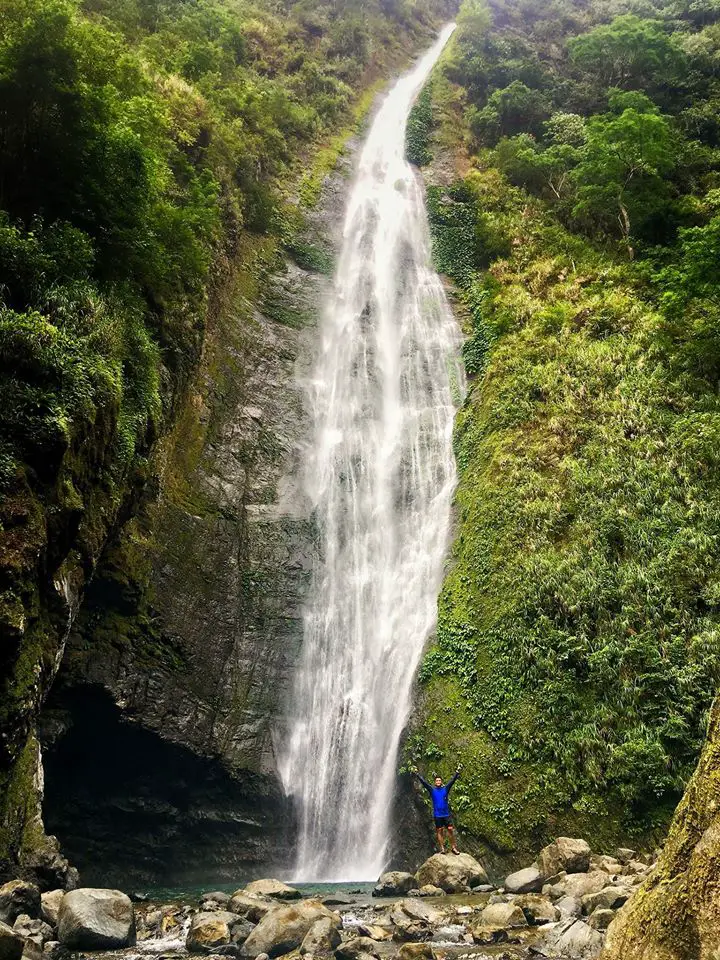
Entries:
{"x":28,"y":928}
{"x":274,"y":889}
{"x":209,"y":930}
{"x":529,"y":880}
{"x":496,"y":920}
{"x":453,"y":873}
{"x":283,"y":928}
{"x":580,"y":884}
{"x":16,"y":897}
{"x":96,"y":919}
{"x":396,"y":883}
{"x":254,"y":908}
{"x":568,"y":907}
{"x":574,"y":940}
{"x":609,"y":898}
{"x":415,"y":951}
{"x":50,"y":906}
{"x":601,"y":919}
{"x":215,"y":896}
{"x":374,"y":931}
{"x":566,"y":854}
{"x":356,"y":947}
{"x":337,"y":899}
{"x":322,"y":937}
{"x":430,"y":891}
{"x":609,"y":864}
{"x":417,"y":910}
{"x":11,"y":943}
{"x":625,"y":854}
{"x":538,"y":910}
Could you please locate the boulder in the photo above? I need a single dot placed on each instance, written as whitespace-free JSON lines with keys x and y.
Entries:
{"x":322,"y":938}
{"x":495,"y":920}
{"x":216,"y":896}
{"x":574,"y":940}
{"x":16,"y":897}
{"x":11,"y":943}
{"x":568,"y":907}
{"x":625,"y":854}
{"x":54,"y":950}
{"x":415,"y":951}
{"x":28,"y":928}
{"x":209,"y":930}
{"x":529,"y":880}
{"x":241,"y":930}
{"x":601,"y":919}
{"x":609,"y":898}
{"x":566,"y":854}
{"x":357,"y":947}
{"x":453,"y":873}
{"x":428,"y":890}
{"x":538,"y":910}
{"x":374,"y":931}
{"x":579,"y":885}
{"x":608,"y":864}
{"x":96,"y":919}
{"x":50,"y":906}
{"x":417,"y":910}
{"x":394,"y":884}
{"x":275,"y":889}
{"x":337,"y":899}
{"x":254,"y":908}
{"x":284,"y":928}
{"x":636,"y":867}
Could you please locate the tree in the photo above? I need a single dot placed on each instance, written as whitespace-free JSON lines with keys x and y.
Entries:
{"x":630,"y":53}
{"x":620,"y":179}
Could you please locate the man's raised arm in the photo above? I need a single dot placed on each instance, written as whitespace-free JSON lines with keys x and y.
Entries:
{"x":453,"y":778}
{"x":422,"y":780}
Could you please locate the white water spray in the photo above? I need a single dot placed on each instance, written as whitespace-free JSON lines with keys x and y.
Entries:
{"x":381,"y":474}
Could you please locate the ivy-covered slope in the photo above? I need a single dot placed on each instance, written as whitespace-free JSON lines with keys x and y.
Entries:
{"x":577,"y":647}
{"x":140,"y":144}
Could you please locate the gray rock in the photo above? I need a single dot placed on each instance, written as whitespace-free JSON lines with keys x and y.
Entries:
{"x":636,"y":867}
{"x":54,"y":950}
{"x":565,"y":853}
{"x":574,"y":940}
{"x":275,"y":889}
{"x":241,"y":930}
{"x":216,"y":896}
{"x":568,"y":908}
{"x":529,"y":880}
{"x":50,"y":906}
{"x":495,"y":920}
{"x":415,"y":951}
{"x":374,"y":931}
{"x":483,"y":888}
{"x":209,"y":930}
{"x":96,"y":919}
{"x":337,"y":899}
{"x":11,"y":944}
{"x":608,"y":864}
{"x":625,"y":854}
{"x":284,"y":928}
{"x":395,"y":883}
{"x":430,"y":891}
{"x":609,"y":898}
{"x":453,"y":873}
{"x":356,"y":947}
{"x":579,"y":885}
{"x":16,"y":897}
{"x":417,"y":910}
{"x":601,"y":919}
{"x":538,"y":910}
{"x":322,"y":938}
{"x":25,"y":927}
{"x":254,"y":908}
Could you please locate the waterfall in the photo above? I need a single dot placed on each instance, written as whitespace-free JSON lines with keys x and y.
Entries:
{"x":381,"y":475}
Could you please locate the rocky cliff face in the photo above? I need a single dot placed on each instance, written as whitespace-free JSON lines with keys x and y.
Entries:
{"x":178,"y":662}
{"x":676,"y":914}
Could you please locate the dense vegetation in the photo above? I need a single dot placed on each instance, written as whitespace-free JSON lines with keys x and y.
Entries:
{"x":578,"y":646}
{"x":144,"y":146}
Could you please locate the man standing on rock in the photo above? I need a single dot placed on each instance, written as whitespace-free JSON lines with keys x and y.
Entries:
{"x":440,"y":796}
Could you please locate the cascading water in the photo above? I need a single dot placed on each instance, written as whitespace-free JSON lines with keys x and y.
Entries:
{"x":381,"y":474}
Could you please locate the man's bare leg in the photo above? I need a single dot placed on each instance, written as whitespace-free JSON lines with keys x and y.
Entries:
{"x":453,"y":844}
{"x":440,"y":834}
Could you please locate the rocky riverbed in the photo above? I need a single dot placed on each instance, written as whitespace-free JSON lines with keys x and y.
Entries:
{"x":561,"y":906}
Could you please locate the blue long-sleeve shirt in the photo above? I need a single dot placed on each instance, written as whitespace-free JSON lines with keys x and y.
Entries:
{"x":439,"y":795}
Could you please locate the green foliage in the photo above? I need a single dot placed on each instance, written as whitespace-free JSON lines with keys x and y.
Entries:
{"x":419,"y":128}
{"x":578,"y":640}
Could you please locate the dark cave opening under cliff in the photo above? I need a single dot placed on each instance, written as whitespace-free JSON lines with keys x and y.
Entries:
{"x":131,"y":809}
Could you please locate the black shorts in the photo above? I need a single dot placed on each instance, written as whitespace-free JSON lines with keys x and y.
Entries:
{"x":443,"y":821}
